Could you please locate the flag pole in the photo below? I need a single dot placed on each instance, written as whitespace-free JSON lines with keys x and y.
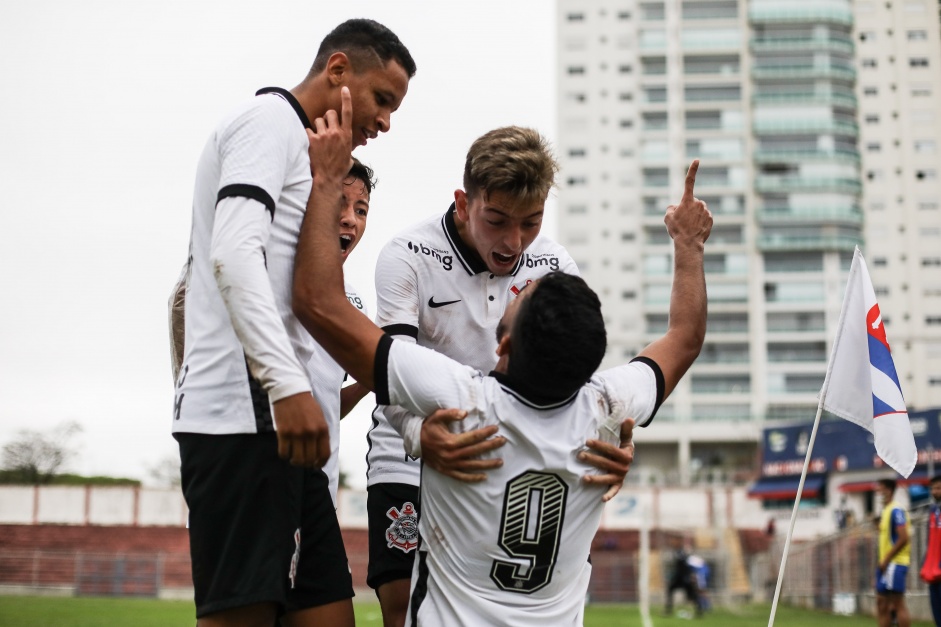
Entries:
{"x":810,"y":449}
{"x":790,"y":528}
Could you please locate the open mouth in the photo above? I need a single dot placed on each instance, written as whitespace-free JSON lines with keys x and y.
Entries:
{"x":504,"y":259}
{"x":345,"y":242}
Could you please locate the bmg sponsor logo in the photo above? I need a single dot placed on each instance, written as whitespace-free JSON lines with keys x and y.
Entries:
{"x":446,"y":261}
{"x":546,"y":259}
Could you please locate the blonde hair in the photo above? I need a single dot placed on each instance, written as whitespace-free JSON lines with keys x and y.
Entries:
{"x":514,"y":160}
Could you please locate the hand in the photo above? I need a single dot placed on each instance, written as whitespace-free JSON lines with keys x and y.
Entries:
{"x":614,"y":461}
{"x":330,"y":141}
{"x":455,"y":454}
{"x":303,"y":436}
{"x":691,"y":219}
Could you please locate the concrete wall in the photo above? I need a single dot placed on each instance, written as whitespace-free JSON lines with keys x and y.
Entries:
{"x":655,"y":507}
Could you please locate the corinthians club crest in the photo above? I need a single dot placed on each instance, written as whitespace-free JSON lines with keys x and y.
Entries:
{"x":403,"y":532}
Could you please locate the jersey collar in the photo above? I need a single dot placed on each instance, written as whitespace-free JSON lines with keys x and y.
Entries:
{"x":291,"y":101}
{"x":468,"y":257}
{"x":531,"y":398}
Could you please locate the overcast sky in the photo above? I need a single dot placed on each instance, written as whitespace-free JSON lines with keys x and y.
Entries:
{"x":104,"y":109}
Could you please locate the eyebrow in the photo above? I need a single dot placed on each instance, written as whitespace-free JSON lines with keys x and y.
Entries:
{"x":506,"y":215}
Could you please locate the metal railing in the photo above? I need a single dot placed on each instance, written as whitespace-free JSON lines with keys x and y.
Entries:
{"x":842,"y":567}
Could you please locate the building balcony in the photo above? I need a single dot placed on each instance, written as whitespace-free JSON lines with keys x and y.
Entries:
{"x":847,"y":74}
{"x":814,"y":357}
{"x":785,"y":184}
{"x":833,"y":43}
{"x":803,"y":156}
{"x":720,"y":387}
{"x":838,"y":98}
{"x":805,"y":127}
{"x":789,"y":215}
{"x":710,"y":41}
{"x":790,"y":14}
{"x":771,"y":243}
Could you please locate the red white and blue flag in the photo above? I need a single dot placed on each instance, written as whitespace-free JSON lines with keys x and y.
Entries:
{"x":862,"y":385}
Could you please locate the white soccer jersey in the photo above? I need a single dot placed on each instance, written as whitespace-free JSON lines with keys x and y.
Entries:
{"x":255,"y":160}
{"x":433,"y":288}
{"x":511,"y":550}
{"x":327,"y":377}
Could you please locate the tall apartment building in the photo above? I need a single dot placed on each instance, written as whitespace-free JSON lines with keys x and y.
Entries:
{"x":816,"y":122}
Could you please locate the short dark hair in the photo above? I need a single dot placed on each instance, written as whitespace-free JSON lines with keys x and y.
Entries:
{"x":558,"y":336}
{"x":889,"y":484}
{"x":364,"y":173}
{"x":935,"y":479}
{"x":367,"y":43}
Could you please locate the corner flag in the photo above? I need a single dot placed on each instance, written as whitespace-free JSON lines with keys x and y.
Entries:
{"x":861,"y":383}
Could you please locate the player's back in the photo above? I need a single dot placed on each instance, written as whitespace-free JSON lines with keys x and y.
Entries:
{"x":513,"y":549}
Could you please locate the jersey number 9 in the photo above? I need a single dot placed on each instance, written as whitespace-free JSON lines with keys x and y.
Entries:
{"x":530,"y":530}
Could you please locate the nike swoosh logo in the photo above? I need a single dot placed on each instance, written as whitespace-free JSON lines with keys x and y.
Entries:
{"x":434,"y":305}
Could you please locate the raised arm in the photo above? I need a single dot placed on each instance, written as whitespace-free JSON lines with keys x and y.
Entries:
{"x":689,"y":224}
{"x":320,"y":301}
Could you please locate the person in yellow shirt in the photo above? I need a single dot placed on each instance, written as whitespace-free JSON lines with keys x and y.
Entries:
{"x":894,"y":558}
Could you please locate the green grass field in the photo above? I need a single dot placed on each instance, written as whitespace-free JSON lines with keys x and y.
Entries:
{"x":104,"y":612}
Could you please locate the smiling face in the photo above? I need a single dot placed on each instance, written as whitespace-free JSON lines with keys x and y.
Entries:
{"x":376,"y":93}
{"x":497,"y":226}
{"x":353,"y":216}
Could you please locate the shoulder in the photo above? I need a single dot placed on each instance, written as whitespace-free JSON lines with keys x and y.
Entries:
{"x":422,"y":244}
{"x":264,"y":115}
{"x":632,"y":390}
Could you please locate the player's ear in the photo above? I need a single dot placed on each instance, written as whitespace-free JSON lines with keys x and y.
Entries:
{"x":460,"y":204}
{"x":338,"y":66}
{"x":503,"y":348}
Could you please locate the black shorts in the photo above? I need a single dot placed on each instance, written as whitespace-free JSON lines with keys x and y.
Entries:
{"x":393,"y":532}
{"x":260,"y":529}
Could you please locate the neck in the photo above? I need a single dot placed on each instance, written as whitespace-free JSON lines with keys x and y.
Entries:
{"x":310,"y":94}
{"x":464,"y":233}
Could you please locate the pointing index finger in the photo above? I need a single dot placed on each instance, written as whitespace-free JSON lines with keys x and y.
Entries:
{"x":691,"y":180}
{"x":346,"y":109}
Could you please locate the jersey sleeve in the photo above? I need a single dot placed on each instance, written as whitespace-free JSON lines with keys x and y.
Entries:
{"x":899,"y":517}
{"x":422,"y":380}
{"x":255,"y":149}
{"x":397,"y":307}
{"x":238,"y":261}
{"x":634,"y":390}
{"x":397,"y":303}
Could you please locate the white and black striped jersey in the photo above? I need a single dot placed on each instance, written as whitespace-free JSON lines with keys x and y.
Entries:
{"x":511,"y":550}
{"x":327,"y":377}
{"x":432,"y":288}
{"x":244,"y":348}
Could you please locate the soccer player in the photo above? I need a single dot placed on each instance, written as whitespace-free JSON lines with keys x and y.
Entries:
{"x":931,"y":567}
{"x":894,"y":558}
{"x":683,"y":577}
{"x":444,"y":283}
{"x":513,"y":549}
{"x":326,"y":375}
{"x":264,"y":537}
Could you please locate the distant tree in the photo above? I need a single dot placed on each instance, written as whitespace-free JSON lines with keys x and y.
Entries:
{"x":166,"y":472}
{"x":35,"y":457}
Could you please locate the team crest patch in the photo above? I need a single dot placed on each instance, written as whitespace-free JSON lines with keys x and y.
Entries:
{"x":516,"y":289}
{"x":403,"y":532}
